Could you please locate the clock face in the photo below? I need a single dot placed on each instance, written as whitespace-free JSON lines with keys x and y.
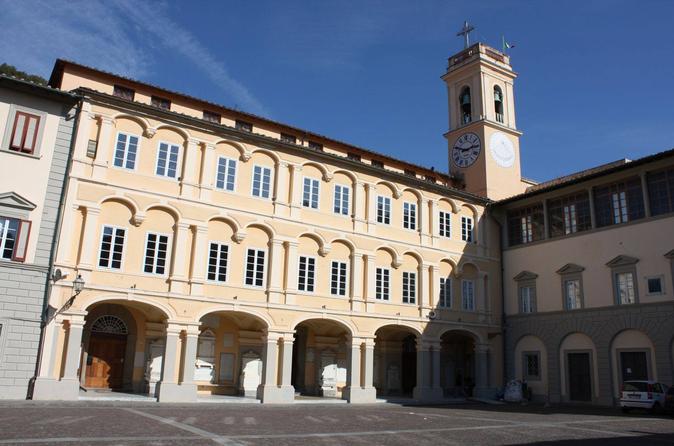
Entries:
{"x":502,"y":149}
{"x":466,"y":150}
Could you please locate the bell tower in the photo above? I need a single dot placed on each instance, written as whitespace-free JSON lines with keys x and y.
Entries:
{"x":483,"y":139}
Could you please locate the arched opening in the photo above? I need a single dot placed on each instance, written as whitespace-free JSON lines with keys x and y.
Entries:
{"x":121,"y":342}
{"x":320,"y":358}
{"x":633,"y":358}
{"x":579,"y":377}
{"x":229,"y":354}
{"x":395,"y":361}
{"x":465,"y":105}
{"x":498,"y":103}
{"x":457,"y":364}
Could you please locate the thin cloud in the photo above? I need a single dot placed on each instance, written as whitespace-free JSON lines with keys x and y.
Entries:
{"x":118,"y":36}
{"x":171,"y":35}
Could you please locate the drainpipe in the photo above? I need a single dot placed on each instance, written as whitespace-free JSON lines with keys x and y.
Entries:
{"x":54,"y":245}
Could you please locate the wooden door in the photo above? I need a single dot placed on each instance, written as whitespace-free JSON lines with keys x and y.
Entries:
{"x":105,"y":361}
{"x":580,"y":379}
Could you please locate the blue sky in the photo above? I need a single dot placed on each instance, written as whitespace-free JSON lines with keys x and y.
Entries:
{"x":594,"y":85}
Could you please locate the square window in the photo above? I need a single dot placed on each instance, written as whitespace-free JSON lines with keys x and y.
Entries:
{"x":24,"y":133}
{"x":654,"y":285}
{"x":243,"y":126}
{"x":159,"y":102}
{"x":290,"y":139}
{"x":315,"y":146}
{"x":377,"y":163}
{"x":123,"y":92}
{"x":531,"y":365}
{"x":353,"y":156}
{"x":126,"y":151}
{"x":211,"y":117}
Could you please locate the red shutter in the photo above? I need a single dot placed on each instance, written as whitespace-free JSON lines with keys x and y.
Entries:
{"x":24,"y":133}
{"x":22,"y":236}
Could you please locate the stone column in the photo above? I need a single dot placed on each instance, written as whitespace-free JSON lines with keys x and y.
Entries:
{"x":371,"y":193}
{"x":434,"y":284}
{"x":371,"y":283}
{"x":168,"y":388}
{"x":434,"y":222}
{"x":64,"y":252}
{"x":90,"y":244}
{"x":178,"y":277}
{"x":593,"y":216}
{"x":49,"y":386}
{"x":424,"y":288}
{"x":356,"y":283}
{"x":482,"y":389}
{"x":189,"y":179}
{"x":102,"y":160}
{"x":287,"y":389}
{"x":358,"y":207}
{"x":546,"y":220}
{"x":644,"y":191}
{"x":436,"y":387}
{"x":282,"y":199}
{"x":190,"y":355}
{"x":296,"y":191}
{"x":360,"y":389}
{"x":199,"y":261}
{"x":424,"y":222}
{"x":423,"y":390}
{"x":207,"y":172}
{"x":275,"y":271}
{"x":291,"y":283}
{"x":270,"y":392}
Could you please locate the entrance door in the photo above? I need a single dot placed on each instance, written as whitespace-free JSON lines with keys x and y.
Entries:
{"x":105,"y":361}
{"x":634,"y":366}
{"x":580,"y":378}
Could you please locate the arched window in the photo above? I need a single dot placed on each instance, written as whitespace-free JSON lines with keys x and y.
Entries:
{"x":109,"y":325}
{"x":498,"y":103}
{"x":465,"y":104}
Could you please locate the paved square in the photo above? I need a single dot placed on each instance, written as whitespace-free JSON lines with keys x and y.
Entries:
{"x":117,"y":423}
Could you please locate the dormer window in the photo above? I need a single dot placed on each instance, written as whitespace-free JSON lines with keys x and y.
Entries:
{"x":377,"y":163}
{"x":498,"y":103}
{"x":315,"y":146}
{"x":290,"y":139}
{"x":465,"y":104}
{"x":353,"y":156}
{"x":160,"y":102}
{"x":211,"y":117}
{"x":244,"y":126}
{"x":410,"y":173}
{"x":123,"y":92}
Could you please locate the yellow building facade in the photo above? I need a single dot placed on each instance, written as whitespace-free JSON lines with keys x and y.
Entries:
{"x":224,"y":253}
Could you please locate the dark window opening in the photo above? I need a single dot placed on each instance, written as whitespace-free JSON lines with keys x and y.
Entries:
{"x":243,"y":126}
{"x":498,"y":103}
{"x":353,"y":156}
{"x":569,"y":214}
{"x":160,"y":102}
{"x":211,"y":117}
{"x":315,"y":146}
{"x":123,"y":92}
{"x":410,"y":173}
{"x":526,"y":225}
{"x":290,"y":139}
{"x":661,"y":191}
{"x":619,"y":202}
{"x":465,"y":104}
{"x":377,"y":163}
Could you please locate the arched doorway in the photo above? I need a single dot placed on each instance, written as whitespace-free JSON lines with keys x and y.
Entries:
{"x":395,"y":361}
{"x":457,"y":364}
{"x":320,"y":358}
{"x":106,"y":353}
{"x":229,"y":358}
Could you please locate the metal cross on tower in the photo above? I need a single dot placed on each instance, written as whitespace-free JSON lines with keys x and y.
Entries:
{"x":465,"y":31}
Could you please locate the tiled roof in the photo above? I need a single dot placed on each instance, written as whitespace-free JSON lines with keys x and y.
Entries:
{"x":26,"y":84}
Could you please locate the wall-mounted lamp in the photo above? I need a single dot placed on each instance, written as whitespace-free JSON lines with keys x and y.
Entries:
{"x":78,"y":284}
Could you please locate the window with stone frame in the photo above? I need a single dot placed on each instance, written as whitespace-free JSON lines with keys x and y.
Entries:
{"x":287,"y":138}
{"x":661,"y":191}
{"x":531,"y":366}
{"x":14,"y":234}
{"x":243,"y":126}
{"x":25,"y":130}
{"x":569,"y":214}
{"x":123,"y":92}
{"x":315,"y":146}
{"x":526,"y":292}
{"x":572,"y":286}
{"x":624,"y":278}
{"x":409,"y":287}
{"x":619,"y":202}
{"x":526,"y":225}
{"x":306,"y":277}
{"x":211,"y":117}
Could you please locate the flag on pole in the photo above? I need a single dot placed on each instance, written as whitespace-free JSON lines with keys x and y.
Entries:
{"x":506,"y":45}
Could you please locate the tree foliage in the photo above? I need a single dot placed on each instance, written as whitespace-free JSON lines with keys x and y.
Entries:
{"x":11,"y":70}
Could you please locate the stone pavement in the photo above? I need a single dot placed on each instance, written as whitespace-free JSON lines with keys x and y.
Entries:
{"x":130,"y":423}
